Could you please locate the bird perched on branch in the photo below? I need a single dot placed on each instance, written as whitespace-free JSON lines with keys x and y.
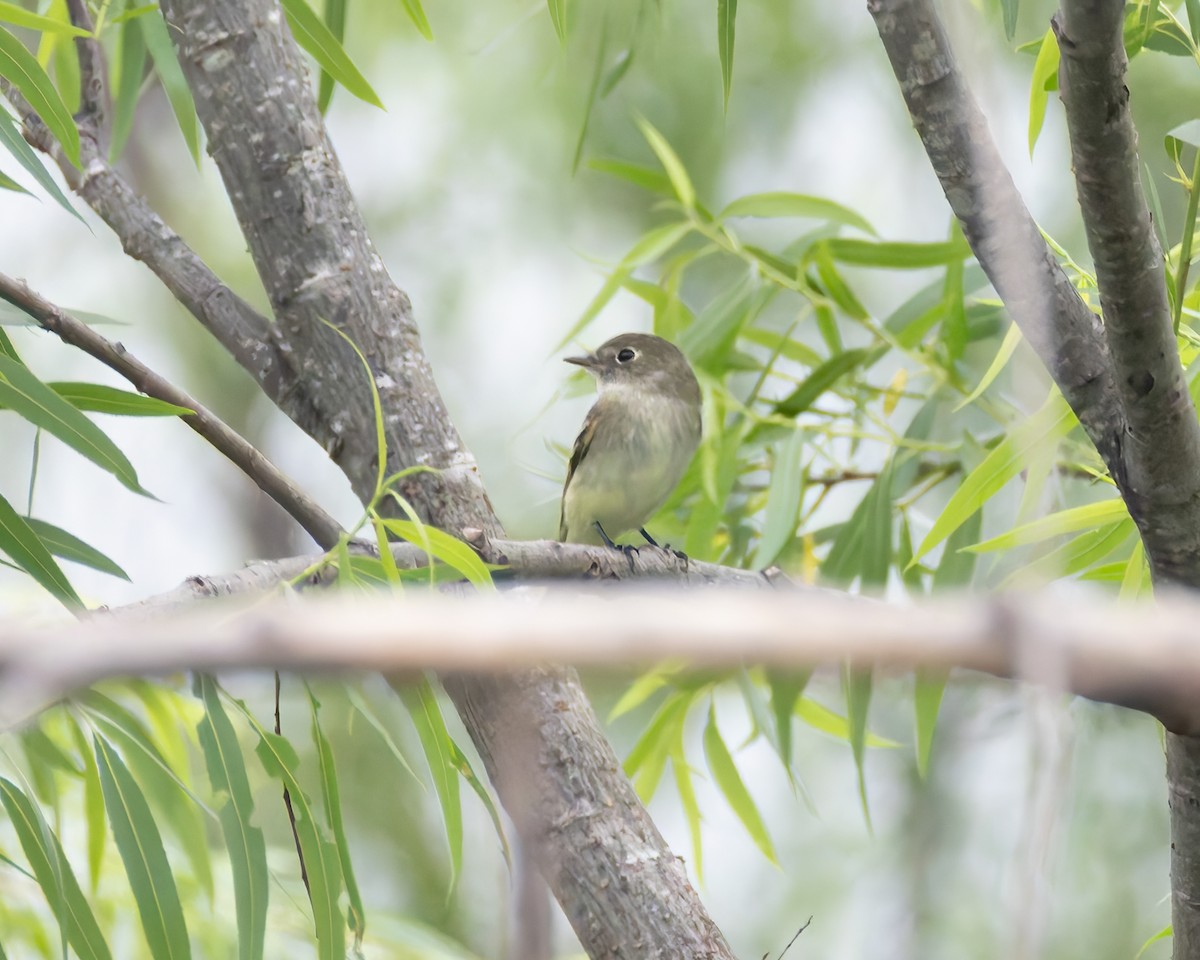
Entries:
{"x":636,"y":441}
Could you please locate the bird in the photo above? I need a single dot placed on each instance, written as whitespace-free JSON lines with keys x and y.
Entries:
{"x":637,"y":439}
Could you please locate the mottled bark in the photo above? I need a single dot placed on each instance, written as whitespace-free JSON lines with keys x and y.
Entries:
{"x":319,"y":268}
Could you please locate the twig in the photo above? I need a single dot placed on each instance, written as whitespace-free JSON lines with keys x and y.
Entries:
{"x":287,"y":797}
{"x":271,"y":480}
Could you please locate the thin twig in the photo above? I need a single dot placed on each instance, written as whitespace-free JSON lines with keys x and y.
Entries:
{"x":287,"y":797}
{"x":320,"y":525}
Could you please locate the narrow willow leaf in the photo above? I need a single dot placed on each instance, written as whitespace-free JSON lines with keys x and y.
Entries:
{"x":835,"y":286}
{"x":1053,"y":421}
{"x":649,"y":753}
{"x":779,"y":204}
{"x":67,"y":546}
{"x":927,"y":701}
{"x":66,"y":70}
{"x":93,"y":805}
{"x":642,"y":689}
{"x":449,"y":550}
{"x":674,"y":167}
{"x":331,"y":797}
{"x":335,"y":21}
{"x":1010,"y":8}
{"x":1168,"y":930}
{"x":11,"y":13}
{"x":558,"y":16}
{"x":20,"y":542}
{"x":416,"y":13}
{"x":54,"y":875}
{"x":21,"y":391}
{"x":422,"y":706}
{"x":98,"y":398}
{"x":1193,"y":12}
{"x":166,"y":65}
{"x":321,"y":864}
{"x":645,"y":177}
{"x":783,"y":500}
{"x":687,"y":800}
{"x":786,"y":687}
{"x":877,"y":532}
{"x":898,"y":256}
{"x":314,"y":37}
{"x":820,"y":717}
{"x":368,"y":713}
{"x":128,"y":86}
{"x":593,"y":95}
{"x":21,"y":69}
{"x":856,"y":683}
{"x":1076,"y":555}
{"x":8,"y":183}
{"x":1044,"y":80}
{"x":822,"y":379}
{"x":140,"y":845}
{"x":1136,"y":581}
{"x":1063,"y":521}
{"x":1011,"y":338}
{"x":727,"y":778}
{"x":176,"y":805}
{"x":726,"y":24}
{"x":14,"y":143}
{"x":243,"y":839}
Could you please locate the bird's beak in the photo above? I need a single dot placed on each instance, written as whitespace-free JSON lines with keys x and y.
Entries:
{"x":588,"y":362}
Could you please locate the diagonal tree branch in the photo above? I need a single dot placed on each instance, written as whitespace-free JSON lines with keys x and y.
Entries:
{"x":1039,"y":296}
{"x":1161,"y":446}
{"x":322,"y":527}
{"x":319,"y":268}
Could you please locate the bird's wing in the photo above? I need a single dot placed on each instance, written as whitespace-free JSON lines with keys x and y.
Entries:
{"x":583,"y":443}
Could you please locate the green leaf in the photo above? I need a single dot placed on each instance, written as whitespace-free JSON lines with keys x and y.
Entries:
{"x":243,"y":840}
{"x":331,"y":797}
{"x":727,"y":778}
{"x":835,"y":286}
{"x":927,"y":701}
{"x":898,"y":256}
{"x":558,"y":16}
{"x":467,"y":772}
{"x":140,"y":845}
{"x":128,"y":86}
{"x":317,"y":39}
{"x":786,"y":687}
{"x":856,"y":683}
{"x":822,"y":379}
{"x":1010,"y":9}
{"x":1009,"y":344}
{"x":647,"y":760}
{"x":8,"y":183}
{"x":422,"y":706}
{"x":821,"y":718}
{"x":11,"y":13}
{"x":1193,"y":12}
{"x":1050,"y":423}
{"x":416,"y":13}
{"x":335,"y":21}
{"x":1168,"y":930}
{"x":783,"y":500}
{"x":726,"y":23}
{"x":1076,"y":555}
{"x":680,"y":181}
{"x":449,"y":550}
{"x":363,"y":707}
{"x":11,"y":140}
{"x":687,"y":799}
{"x":642,"y":689}
{"x":645,"y":177}
{"x":98,"y":398}
{"x":179,"y":95}
{"x":280,"y":761}
{"x":21,"y":69}
{"x":780,"y":204}
{"x":93,"y":805}
{"x":54,"y":875}
{"x":1045,"y":79}
{"x":21,"y":391}
{"x":1055,"y":524}
{"x":67,"y":546}
{"x":21,"y":543}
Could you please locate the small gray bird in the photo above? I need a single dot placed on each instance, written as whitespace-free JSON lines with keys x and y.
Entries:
{"x":636,"y":441}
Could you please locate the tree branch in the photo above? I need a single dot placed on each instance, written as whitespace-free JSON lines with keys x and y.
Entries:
{"x":319,"y":267}
{"x":1081,"y":643}
{"x":1161,"y":451}
{"x":1039,"y":296}
{"x":322,"y":527}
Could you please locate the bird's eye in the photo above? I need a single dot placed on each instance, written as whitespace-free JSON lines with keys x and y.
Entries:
{"x":626,"y":354}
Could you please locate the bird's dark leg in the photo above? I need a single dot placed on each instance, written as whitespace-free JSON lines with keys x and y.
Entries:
{"x":625,"y":549}
{"x":654,"y":543}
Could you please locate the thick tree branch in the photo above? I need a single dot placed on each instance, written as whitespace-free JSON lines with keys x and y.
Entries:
{"x":1130,"y":654}
{"x":1161,"y":452}
{"x":1039,"y":296}
{"x":319,"y":267}
{"x":322,"y":527}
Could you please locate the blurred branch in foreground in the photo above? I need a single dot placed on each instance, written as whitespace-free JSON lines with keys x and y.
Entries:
{"x":1144,"y":657}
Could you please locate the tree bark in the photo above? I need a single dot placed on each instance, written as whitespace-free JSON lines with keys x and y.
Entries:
{"x":319,"y":268}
